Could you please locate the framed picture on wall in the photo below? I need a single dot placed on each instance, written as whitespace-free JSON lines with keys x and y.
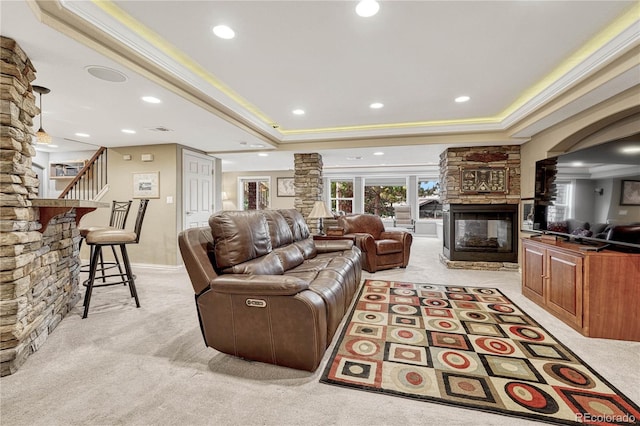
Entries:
{"x":526,"y":209}
{"x":286,"y":187}
{"x":146,"y":185}
{"x":630,"y":193}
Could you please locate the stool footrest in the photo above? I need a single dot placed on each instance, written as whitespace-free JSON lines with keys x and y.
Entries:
{"x":86,"y":282}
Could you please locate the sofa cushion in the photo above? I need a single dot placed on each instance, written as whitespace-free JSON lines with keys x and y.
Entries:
{"x":599,"y":228}
{"x":290,"y":256}
{"x":279,"y":230}
{"x":239,"y":236}
{"x":269,"y":264}
{"x":388,"y":246}
{"x":297,"y":224}
{"x":307,"y":247}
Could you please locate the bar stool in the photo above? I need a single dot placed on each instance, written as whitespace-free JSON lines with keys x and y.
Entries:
{"x":117,"y":220}
{"x":113,"y":237}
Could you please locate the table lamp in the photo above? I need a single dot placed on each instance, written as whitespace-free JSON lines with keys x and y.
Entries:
{"x":320,"y":211}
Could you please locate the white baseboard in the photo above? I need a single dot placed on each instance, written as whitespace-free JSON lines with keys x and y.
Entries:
{"x":171,"y":268}
{"x":174,"y":268}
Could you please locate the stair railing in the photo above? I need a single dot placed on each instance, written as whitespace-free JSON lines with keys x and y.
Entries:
{"x":91,"y":179}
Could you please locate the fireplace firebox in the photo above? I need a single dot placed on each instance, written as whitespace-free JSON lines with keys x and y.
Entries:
{"x":480,"y":232}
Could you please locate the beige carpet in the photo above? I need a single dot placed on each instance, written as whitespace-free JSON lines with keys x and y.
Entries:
{"x":149,"y":366}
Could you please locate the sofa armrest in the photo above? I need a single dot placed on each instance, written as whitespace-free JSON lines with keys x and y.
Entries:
{"x":364,"y":242}
{"x":393,"y":235}
{"x":258,"y":285}
{"x":327,"y":246}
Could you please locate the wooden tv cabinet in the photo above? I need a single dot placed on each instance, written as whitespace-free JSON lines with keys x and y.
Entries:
{"x":596,"y":293}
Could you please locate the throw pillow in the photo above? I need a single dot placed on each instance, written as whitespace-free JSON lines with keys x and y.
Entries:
{"x":558,"y":227}
{"x":581,"y":232}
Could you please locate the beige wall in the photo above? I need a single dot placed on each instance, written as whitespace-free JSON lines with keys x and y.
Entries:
{"x":230,"y":187}
{"x":159,"y":238}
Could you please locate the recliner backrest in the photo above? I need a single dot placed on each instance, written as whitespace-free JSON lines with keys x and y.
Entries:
{"x":239,"y":236}
{"x":362,"y":223}
{"x":297,"y":224}
{"x":279,"y":230}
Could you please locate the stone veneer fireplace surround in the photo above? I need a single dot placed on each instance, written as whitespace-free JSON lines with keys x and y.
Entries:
{"x":487,"y":212}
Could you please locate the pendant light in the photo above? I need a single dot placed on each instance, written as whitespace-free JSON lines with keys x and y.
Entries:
{"x":42,"y":137}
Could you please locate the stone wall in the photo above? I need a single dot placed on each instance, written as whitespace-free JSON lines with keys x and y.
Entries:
{"x":38,"y":272}
{"x":452,"y":162}
{"x":454,"y":159}
{"x":308,"y":184}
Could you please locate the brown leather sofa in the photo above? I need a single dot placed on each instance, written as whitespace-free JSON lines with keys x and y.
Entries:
{"x":381,"y":249}
{"x":265,"y":290}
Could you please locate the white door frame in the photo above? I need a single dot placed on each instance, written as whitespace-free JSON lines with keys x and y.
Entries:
{"x":240,"y":190}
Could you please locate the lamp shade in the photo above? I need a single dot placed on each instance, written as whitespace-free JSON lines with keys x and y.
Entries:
{"x":42,"y":137}
{"x":319,"y":211}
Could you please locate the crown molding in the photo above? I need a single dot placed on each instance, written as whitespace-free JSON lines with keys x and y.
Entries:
{"x":161,"y":59}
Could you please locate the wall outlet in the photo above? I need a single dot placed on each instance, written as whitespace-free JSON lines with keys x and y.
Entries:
{"x":622,"y":212}
{"x":169,"y":199}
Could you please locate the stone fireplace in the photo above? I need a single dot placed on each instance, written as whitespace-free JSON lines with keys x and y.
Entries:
{"x":480,"y":191}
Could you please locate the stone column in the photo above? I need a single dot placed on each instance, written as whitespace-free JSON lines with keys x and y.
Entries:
{"x":38,"y":272}
{"x":308,"y":184}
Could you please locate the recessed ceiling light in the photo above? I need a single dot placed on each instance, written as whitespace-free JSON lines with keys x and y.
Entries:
{"x":577,"y":164}
{"x":461,"y":99}
{"x":376,"y":105}
{"x":256,"y":145}
{"x":128,"y":131}
{"x":106,"y":74}
{"x":151,"y":99}
{"x":631,"y":149}
{"x":367,"y":8}
{"x":263,"y":154}
{"x":224,"y":32}
{"x":354,"y":158}
{"x":378,"y":153}
{"x":298,"y":111}
{"x":83,"y":135}
{"x":52,"y":146}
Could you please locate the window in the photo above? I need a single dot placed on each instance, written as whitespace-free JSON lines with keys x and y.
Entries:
{"x":379,"y":199}
{"x":429,"y":203}
{"x":254,"y":193}
{"x":342,"y":196}
{"x":561,"y":208}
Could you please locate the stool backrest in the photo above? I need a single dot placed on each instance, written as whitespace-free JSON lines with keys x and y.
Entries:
{"x":119,"y":214}
{"x":141,"y":212}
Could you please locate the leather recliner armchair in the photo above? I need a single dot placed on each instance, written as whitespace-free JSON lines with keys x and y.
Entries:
{"x":380,"y":249}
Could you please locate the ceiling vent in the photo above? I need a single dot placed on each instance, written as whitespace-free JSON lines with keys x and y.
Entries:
{"x":160,"y":129}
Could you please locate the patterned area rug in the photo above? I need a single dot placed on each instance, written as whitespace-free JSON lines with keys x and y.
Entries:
{"x":469,"y":347}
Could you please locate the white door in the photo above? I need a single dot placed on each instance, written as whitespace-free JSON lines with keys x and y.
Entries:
{"x":197,"y":175}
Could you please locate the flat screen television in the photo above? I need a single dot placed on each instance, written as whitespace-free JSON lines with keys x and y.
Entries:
{"x":591,"y":196}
